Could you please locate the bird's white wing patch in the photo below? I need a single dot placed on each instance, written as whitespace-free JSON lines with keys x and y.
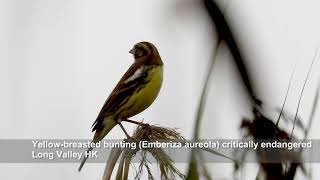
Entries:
{"x":136,"y":75}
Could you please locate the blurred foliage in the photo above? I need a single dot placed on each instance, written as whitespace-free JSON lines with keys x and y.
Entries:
{"x":260,"y":127}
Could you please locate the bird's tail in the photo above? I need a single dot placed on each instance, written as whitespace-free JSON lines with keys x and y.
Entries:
{"x":100,"y":133}
{"x":84,"y":159}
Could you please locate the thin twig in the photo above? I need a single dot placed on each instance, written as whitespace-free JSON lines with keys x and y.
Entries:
{"x":124,"y":130}
{"x":285,"y":99}
{"x":134,"y":122}
{"x":314,"y":106}
{"x":304,"y":85}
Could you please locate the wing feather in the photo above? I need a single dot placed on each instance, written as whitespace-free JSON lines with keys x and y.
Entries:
{"x":121,"y":92}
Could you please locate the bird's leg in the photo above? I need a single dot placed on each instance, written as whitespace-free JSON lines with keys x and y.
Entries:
{"x":135,"y":122}
{"x":123,"y":129}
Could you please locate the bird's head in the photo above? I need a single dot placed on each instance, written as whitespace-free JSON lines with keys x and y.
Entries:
{"x":146,"y":51}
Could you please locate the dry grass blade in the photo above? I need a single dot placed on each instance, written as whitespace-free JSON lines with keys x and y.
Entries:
{"x":304,"y":85}
{"x":289,"y":118}
{"x":152,"y":132}
{"x":218,"y":154}
{"x":314,"y":107}
{"x":165,"y":163}
{"x":113,"y":158}
{"x":126,"y":167}
{"x":287,"y":92}
{"x":167,"y":169}
{"x":292,"y":170}
{"x":121,"y":166}
{"x":145,"y":133}
{"x":144,"y":163}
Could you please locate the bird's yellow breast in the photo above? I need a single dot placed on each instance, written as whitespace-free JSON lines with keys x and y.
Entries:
{"x":142,"y":98}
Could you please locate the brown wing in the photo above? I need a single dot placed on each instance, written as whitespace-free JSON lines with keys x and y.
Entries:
{"x":120,"y":94}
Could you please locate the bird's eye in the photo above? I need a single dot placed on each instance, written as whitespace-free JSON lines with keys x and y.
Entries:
{"x":140,"y":52}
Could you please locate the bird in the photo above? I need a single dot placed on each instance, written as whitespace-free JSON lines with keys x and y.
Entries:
{"x":136,"y":91}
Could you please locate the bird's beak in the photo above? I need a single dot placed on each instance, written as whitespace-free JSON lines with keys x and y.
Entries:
{"x":132,"y":51}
